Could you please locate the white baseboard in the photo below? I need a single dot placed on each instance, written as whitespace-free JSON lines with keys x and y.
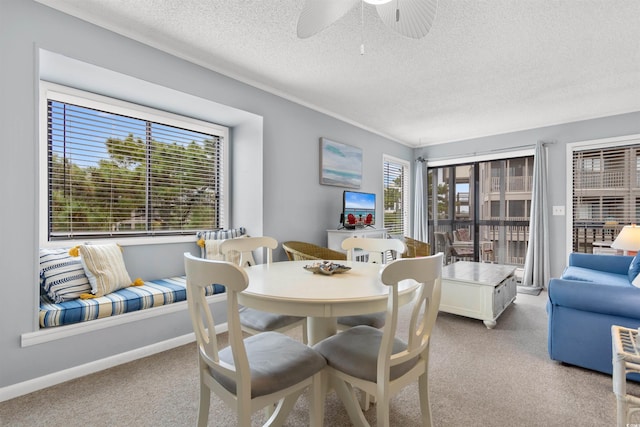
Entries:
{"x":26,"y":387}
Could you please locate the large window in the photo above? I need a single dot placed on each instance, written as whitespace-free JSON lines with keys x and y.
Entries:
{"x":115,"y":169}
{"x":480,"y":210}
{"x":395,"y":177}
{"x":606,"y":191}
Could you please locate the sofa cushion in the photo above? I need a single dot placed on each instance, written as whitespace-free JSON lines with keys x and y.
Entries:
{"x":618,"y":264}
{"x":634,"y":268}
{"x":636,"y":282}
{"x":588,"y":275}
{"x":204,"y":235}
{"x":62,"y":276}
{"x":104,"y":266}
{"x":621,"y":301}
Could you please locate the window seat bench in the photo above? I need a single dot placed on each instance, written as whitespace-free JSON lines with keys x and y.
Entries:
{"x":153,"y":293}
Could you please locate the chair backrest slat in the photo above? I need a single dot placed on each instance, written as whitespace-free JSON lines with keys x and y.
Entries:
{"x":246,"y":246}
{"x":427,"y":271}
{"x":201,"y":273}
{"x":375,"y":247}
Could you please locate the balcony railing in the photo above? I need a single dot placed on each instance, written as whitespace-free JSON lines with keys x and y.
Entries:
{"x":585,"y":234}
{"x":597,"y":180}
{"x":507,"y":242}
{"x":513,"y":184}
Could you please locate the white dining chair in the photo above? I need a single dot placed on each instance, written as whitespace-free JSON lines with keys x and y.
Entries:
{"x":377,"y":361}
{"x":250,"y":374}
{"x":377,"y":251}
{"x":255,"y":321}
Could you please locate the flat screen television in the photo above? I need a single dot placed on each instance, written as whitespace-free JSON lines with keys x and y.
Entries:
{"x":358,"y":209}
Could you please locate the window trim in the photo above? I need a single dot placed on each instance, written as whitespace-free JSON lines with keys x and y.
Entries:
{"x":480,"y":157}
{"x":48,"y":90}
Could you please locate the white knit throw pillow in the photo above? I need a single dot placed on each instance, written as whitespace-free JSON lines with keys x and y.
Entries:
{"x":105,"y":268}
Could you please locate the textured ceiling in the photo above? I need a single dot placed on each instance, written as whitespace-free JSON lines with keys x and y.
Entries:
{"x":486,"y":67}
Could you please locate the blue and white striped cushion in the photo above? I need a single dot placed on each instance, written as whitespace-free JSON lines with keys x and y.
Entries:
{"x":153,"y":293}
{"x":219,"y":235}
{"x":62,"y":276}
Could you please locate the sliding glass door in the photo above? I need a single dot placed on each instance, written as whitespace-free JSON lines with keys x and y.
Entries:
{"x":480,"y":211}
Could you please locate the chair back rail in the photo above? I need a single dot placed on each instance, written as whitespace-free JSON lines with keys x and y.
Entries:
{"x":246,"y":246}
{"x":377,"y":248}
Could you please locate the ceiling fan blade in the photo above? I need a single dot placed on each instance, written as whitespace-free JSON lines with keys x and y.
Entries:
{"x":319,"y":14}
{"x":411,"y":18}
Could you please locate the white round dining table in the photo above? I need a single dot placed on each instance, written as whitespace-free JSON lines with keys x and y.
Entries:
{"x":287,"y":288}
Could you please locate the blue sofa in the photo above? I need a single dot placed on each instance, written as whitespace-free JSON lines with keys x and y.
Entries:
{"x":593,"y":293}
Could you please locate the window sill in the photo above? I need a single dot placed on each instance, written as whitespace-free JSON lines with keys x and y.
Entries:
{"x":128,"y":241}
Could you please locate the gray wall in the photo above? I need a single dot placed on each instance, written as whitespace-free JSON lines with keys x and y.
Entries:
{"x":561,"y":135}
{"x":275,"y":189}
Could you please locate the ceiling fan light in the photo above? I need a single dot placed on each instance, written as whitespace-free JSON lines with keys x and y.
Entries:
{"x":414,"y":22}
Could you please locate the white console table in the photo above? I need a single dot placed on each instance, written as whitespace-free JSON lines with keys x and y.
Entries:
{"x":335,"y":237}
{"x":604,"y":248}
{"x":478,"y":290}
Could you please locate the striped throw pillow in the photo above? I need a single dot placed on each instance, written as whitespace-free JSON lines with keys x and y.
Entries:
{"x":104,"y":266}
{"x":204,"y":235}
{"x":62,"y":276}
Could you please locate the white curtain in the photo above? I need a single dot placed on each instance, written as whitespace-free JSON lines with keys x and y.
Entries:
{"x":536,"y":265}
{"x":419,"y":205}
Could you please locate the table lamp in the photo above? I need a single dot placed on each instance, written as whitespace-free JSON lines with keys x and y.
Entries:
{"x":628,"y":240}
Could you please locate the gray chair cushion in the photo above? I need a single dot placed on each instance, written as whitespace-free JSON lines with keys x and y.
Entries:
{"x":376,"y":320}
{"x":355,"y":352}
{"x":264,"y":321}
{"x":276,"y":362}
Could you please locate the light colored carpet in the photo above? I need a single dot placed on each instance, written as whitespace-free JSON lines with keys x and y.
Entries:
{"x":478,"y":377}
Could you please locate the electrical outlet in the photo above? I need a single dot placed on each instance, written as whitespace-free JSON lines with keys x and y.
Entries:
{"x":558,"y":210}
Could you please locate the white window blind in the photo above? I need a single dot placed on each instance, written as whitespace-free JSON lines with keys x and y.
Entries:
{"x":606,"y":192}
{"x":113,"y":174}
{"x":396,"y":196}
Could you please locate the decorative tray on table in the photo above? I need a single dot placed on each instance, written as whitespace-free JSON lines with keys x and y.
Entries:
{"x":326,"y":267}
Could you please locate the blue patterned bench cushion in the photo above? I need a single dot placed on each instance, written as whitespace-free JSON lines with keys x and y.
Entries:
{"x":153,"y":293}
{"x":231,"y":233}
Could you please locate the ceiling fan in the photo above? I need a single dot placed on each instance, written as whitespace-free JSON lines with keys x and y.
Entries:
{"x":411,"y":18}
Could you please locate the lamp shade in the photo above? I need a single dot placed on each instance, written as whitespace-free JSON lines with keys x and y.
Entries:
{"x":628,"y":239}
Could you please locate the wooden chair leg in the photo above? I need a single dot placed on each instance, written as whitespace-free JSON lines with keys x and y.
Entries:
{"x":345,"y":393}
{"x":203,"y":405}
{"x":365,"y":400}
{"x":269,"y":410}
{"x":305,"y":334}
{"x":282,"y":410}
{"x":425,"y":405}
{"x":317,"y":396}
{"x":382,"y":409}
